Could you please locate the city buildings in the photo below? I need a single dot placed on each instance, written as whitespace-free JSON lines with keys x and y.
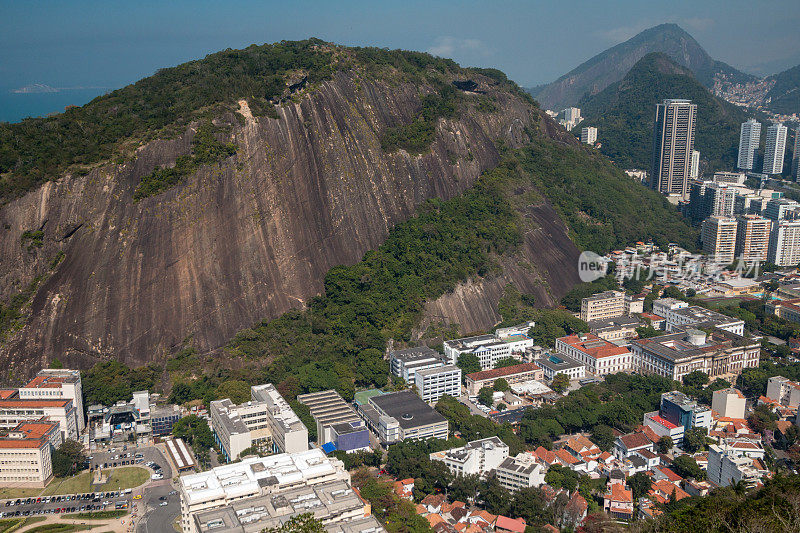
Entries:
{"x":25,"y":459}
{"x":14,"y":411}
{"x":478,"y":457}
{"x":520,"y":472}
{"x":784,"y":244}
{"x":599,"y":356}
{"x":289,"y":434}
{"x":679,"y":314}
{"x":403,"y":363}
{"x":673,"y":143}
{"x":162,"y":419}
{"x":752,"y":238}
{"x":614,"y":329}
{"x":602,"y":305}
{"x":730,"y":178}
{"x":337,"y":422}
{"x":784,"y":391}
{"x":253,"y":478}
{"x":718,"y":354}
{"x":572,"y":117}
{"x":728,"y":403}
{"x":683,"y":411}
{"x":749,"y":139}
{"x":433,"y":383}
{"x":51,"y":383}
{"x":694,"y":167}
{"x":512,"y":374}
{"x":735,"y":460}
{"x":504,"y":343}
{"x":781,"y":209}
{"x":774,"y":149}
{"x":402,"y":415}
{"x":786,"y":309}
{"x":719,"y":238}
{"x":560,"y":363}
{"x":796,"y":155}
{"x":589,"y":135}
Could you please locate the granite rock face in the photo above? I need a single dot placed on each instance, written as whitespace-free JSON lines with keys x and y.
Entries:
{"x":245,"y":239}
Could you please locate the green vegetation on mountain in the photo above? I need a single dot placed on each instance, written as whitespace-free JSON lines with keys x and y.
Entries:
{"x":416,"y":137}
{"x":785,"y":94}
{"x":624,"y":112}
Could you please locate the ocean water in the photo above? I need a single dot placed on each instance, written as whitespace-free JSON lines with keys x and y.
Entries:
{"x":17,"y":106}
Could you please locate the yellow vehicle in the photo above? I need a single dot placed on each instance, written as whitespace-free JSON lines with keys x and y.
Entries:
{"x":137,"y":497}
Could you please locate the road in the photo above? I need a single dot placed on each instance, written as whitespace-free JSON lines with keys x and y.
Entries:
{"x":158,"y":519}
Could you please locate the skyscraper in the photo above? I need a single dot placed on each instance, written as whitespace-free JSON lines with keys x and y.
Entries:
{"x":784,"y":243}
{"x":752,"y":237}
{"x":796,"y":155}
{"x":589,"y":135}
{"x":774,"y":149}
{"x":749,"y":139}
{"x":719,"y":238}
{"x":694,"y":169}
{"x":673,"y":143}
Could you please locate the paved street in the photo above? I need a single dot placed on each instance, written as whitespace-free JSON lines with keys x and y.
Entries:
{"x":120,"y":457}
{"x":157,"y":518}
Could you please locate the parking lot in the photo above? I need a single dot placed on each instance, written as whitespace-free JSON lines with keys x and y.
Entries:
{"x":146,"y":457}
{"x":71,"y":503}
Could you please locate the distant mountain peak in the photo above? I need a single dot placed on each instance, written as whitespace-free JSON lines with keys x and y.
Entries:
{"x":610,"y":66}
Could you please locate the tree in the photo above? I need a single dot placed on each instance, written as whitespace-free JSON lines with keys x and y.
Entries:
{"x":507,"y":361}
{"x":665,"y":444}
{"x":697,"y":378}
{"x":561,"y":477}
{"x":603,"y":436}
{"x":195,"y":431}
{"x":686,"y":466}
{"x":645,"y":332}
{"x":486,"y":396}
{"x":560,"y":382}
{"x":464,"y":488}
{"x":236,"y":390}
{"x":468,"y":363}
{"x":68,"y":458}
{"x":501,"y":385}
{"x":302,"y":523}
{"x":694,"y":440}
{"x":640,"y":484}
{"x":673,"y":292}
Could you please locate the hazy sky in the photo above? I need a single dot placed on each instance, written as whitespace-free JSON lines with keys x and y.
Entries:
{"x":110,"y":43}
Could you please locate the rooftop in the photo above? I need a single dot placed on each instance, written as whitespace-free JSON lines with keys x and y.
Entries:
{"x":593,"y":346}
{"x":328,"y":408}
{"x":33,"y":403}
{"x":557,"y":362}
{"x":497,"y":373}
{"x":408,"y":409}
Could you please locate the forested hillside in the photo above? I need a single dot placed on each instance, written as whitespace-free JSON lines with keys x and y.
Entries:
{"x":624,"y":112}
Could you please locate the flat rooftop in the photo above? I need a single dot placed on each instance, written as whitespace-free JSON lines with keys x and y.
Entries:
{"x":419,"y":353}
{"x":593,"y":346}
{"x":497,"y":373}
{"x":557,"y":362}
{"x":408,"y":409}
{"x":328,"y":408}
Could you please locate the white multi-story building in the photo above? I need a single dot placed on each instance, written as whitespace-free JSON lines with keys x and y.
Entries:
{"x":404,"y":363}
{"x":730,"y":178}
{"x":25,"y":454}
{"x":774,"y":149}
{"x":478,"y":457}
{"x":403,"y":415}
{"x":694,"y":169}
{"x":14,"y":411}
{"x":608,"y":304}
{"x":589,"y":135}
{"x":51,"y":383}
{"x":784,"y":243}
{"x":289,"y":434}
{"x":253,"y":477}
{"x":504,"y":343}
{"x":781,"y":209}
{"x":520,"y":472}
{"x":784,"y":391}
{"x":600,"y":356}
{"x":728,"y":403}
{"x":559,"y":363}
{"x":719,"y":238}
{"x":679,"y":314}
{"x":433,"y":383}
{"x":673,"y":142}
{"x":734,"y":460}
{"x":749,"y":139}
{"x":752,"y":238}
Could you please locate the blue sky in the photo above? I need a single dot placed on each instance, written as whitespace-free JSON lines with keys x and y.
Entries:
{"x":110,"y":44}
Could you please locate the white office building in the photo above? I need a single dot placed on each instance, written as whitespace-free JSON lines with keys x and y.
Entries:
{"x":52,"y":383}
{"x":404,"y":363}
{"x":774,"y":149}
{"x":478,"y":457}
{"x":734,"y":460}
{"x":589,"y":135}
{"x":520,"y":472}
{"x":14,"y":411}
{"x":504,"y":343}
{"x":784,"y":391}
{"x":433,"y":383}
{"x":749,"y":139}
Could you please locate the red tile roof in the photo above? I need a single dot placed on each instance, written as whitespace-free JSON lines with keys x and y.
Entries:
{"x":662,"y":421}
{"x":599,"y":348}
{"x":497,"y":373}
{"x":45,"y":382}
{"x":5,"y":404}
{"x":635,"y":440}
{"x":511,"y":524}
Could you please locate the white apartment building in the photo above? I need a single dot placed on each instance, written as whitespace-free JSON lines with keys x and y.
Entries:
{"x":600,"y":356}
{"x":289,"y":434}
{"x":752,"y":237}
{"x":433,"y":383}
{"x":608,"y":304}
{"x":719,"y":238}
{"x":784,"y":391}
{"x":728,"y":403}
{"x":673,"y":142}
{"x":520,"y":472}
{"x":505,"y":342}
{"x":774,"y":149}
{"x":589,"y":135}
{"x":404,"y":363}
{"x":14,"y":411}
{"x":730,"y":178}
{"x":51,"y":383}
{"x":256,"y":476}
{"x":25,"y":454}
{"x":780,"y":209}
{"x":694,"y":168}
{"x":735,"y":460}
{"x":478,"y":457}
{"x":749,"y":139}
{"x":784,"y":244}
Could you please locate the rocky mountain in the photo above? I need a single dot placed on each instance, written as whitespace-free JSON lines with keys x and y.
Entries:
{"x":610,"y":66}
{"x":624,"y":111}
{"x":223,"y":192}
